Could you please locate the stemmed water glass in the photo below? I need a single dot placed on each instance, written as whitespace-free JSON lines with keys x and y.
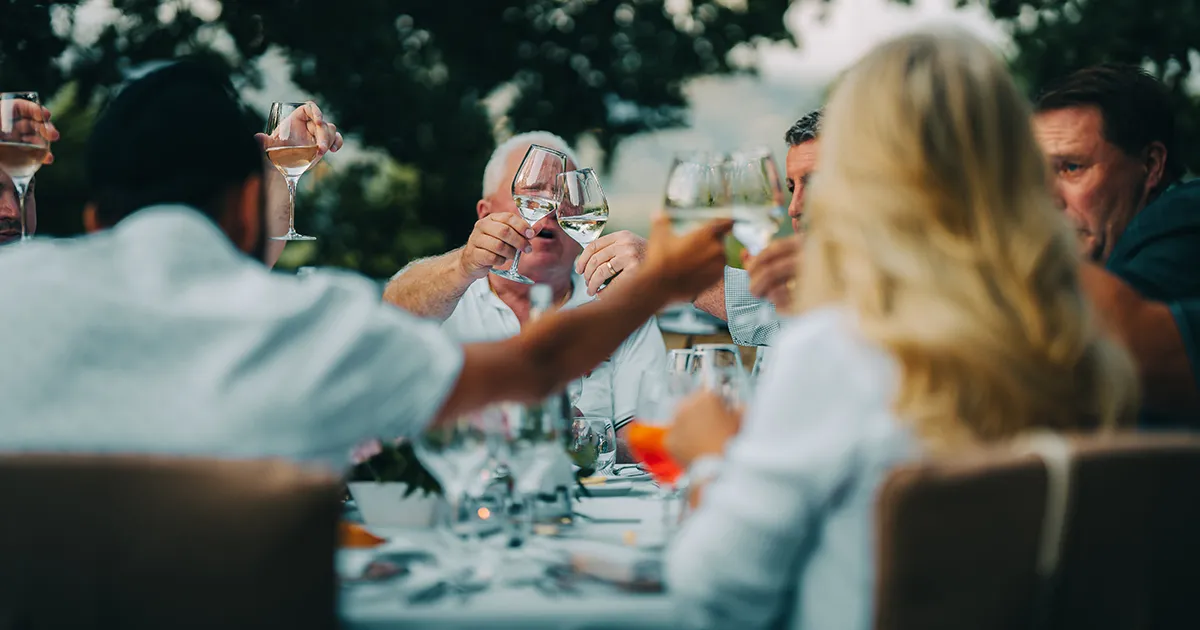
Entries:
{"x":455,"y":451}
{"x":292,"y":147}
{"x":24,"y":143}
{"x":583,"y":209}
{"x":535,"y":189}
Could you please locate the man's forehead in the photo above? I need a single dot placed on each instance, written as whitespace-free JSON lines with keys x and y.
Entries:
{"x":1070,"y":129}
{"x":514,"y":162}
{"x":803,"y":155}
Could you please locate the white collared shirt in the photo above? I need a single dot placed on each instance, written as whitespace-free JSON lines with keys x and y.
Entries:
{"x":482,"y":316}
{"x":158,"y":336}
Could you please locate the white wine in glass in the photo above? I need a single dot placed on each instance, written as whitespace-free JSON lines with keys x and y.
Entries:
{"x":23,"y":144}
{"x":583,"y":211}
{"x":535,"y":189}
{"x":697,"y":191}
{"x":757,"y":198}
{"x":292,"y":148}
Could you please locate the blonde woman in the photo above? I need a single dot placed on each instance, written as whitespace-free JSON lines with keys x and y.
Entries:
{"x":941,"y":310}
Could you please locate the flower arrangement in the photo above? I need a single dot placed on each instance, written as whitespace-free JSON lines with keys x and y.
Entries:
{"x":393,"y":461}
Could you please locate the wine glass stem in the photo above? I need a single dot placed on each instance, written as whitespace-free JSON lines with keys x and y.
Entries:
{"x":516,"y":260}
{"x":22,"y":186}
{"x":291,"y":182}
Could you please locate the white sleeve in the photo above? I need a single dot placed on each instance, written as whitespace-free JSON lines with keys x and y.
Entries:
{"x":351,"y":368}
{"x":733,"y":564}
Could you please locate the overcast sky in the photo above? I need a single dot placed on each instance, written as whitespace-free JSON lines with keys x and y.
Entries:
{"x":726,"y":112}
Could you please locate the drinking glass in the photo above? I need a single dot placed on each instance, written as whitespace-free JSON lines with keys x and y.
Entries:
{"x":757,"y":198}
{"x":535,"y":189}
{"x":716,"y":355}
{"x":455,"y":451}
{"x":697,"y":191}
{"x":681,"y":361}
{"x":583,"y":210}
{"x":292,"y":148}
{"x":23,"y":144}
{"x":659,"y":395}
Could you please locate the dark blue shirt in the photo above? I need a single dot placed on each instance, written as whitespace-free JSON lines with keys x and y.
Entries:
{"x":1159,"y":256}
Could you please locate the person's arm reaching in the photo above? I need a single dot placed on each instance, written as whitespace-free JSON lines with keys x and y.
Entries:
{"x":566,"y":344}
{"x":432,"y":287}
{"x":1150,"y":332}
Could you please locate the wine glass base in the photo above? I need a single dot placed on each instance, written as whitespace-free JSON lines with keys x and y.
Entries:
{"x":509,"y":274}
{"x":293,"y":235}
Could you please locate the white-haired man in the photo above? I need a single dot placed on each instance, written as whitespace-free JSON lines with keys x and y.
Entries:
{"x":475,"y":305}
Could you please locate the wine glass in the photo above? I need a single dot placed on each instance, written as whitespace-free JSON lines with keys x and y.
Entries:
{"x":757,"y":198}
{"x":535,"y":189}
{"x":455,"y":451}
{"x":716,"y":355}
{"x":23,"y":144}
{"x":681,"y":361}
{"x":659,"y":394}
{"x":292,"y":148}
{"x":697,"y":191}
{"x":583,"y":210}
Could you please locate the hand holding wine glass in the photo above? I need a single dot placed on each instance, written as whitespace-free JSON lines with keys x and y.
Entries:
{"x":25,"y":136}
{"x":296,"y":138}
{"x":535,"y":189}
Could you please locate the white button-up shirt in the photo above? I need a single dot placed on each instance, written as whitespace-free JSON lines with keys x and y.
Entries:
{"x":158,"y":336}
{"x":482,"y":316}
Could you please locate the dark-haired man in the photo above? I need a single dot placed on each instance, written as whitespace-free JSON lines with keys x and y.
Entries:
{"x":1108,"y":132}
{"x":161,"y":333}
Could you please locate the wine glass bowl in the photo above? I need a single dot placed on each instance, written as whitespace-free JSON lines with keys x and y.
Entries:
{"x":292,"y":148}
{"x":536,"y":193}
{"x":583,"y":210}
{"x":757,"y":198}
{"x":697,"y":191}
{"x":24,"y":144}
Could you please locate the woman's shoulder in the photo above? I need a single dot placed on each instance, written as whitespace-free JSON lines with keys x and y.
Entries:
{"x":826,"y":328}
{"x":826,"y":347}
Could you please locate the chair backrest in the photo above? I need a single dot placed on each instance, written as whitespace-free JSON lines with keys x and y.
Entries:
{"x":957,"y":540}
{"x":139,"y":543}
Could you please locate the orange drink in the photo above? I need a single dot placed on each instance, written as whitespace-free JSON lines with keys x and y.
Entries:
{"x":648,"y":444}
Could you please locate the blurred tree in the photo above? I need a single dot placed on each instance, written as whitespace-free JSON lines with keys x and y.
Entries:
{"x":414,"y":78}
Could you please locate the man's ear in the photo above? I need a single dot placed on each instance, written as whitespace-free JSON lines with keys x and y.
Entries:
{"x":483,"y":208}
{"x":242,"y":219}
{"x":1154,"y":160}
{"x":91,"y":221}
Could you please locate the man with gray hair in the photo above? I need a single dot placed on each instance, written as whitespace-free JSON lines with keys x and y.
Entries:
{"x":743,"y":296}
{"x":475,"y":305}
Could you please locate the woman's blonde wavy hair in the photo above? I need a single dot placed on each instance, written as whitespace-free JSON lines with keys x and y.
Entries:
{"x":930,"y":218}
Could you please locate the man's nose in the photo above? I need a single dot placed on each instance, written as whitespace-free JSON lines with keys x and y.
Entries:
{"x":1056,"y":193}
{"x":796,"y":207}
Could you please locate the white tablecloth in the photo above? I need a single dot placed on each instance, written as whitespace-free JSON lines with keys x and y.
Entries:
{"x":593,"y":606}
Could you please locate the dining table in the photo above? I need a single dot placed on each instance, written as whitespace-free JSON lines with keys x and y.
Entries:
{"x":603,"y":570}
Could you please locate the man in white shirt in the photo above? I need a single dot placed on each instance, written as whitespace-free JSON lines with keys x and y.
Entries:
{"x":163,"y":332}
{"x":474,"y":305}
